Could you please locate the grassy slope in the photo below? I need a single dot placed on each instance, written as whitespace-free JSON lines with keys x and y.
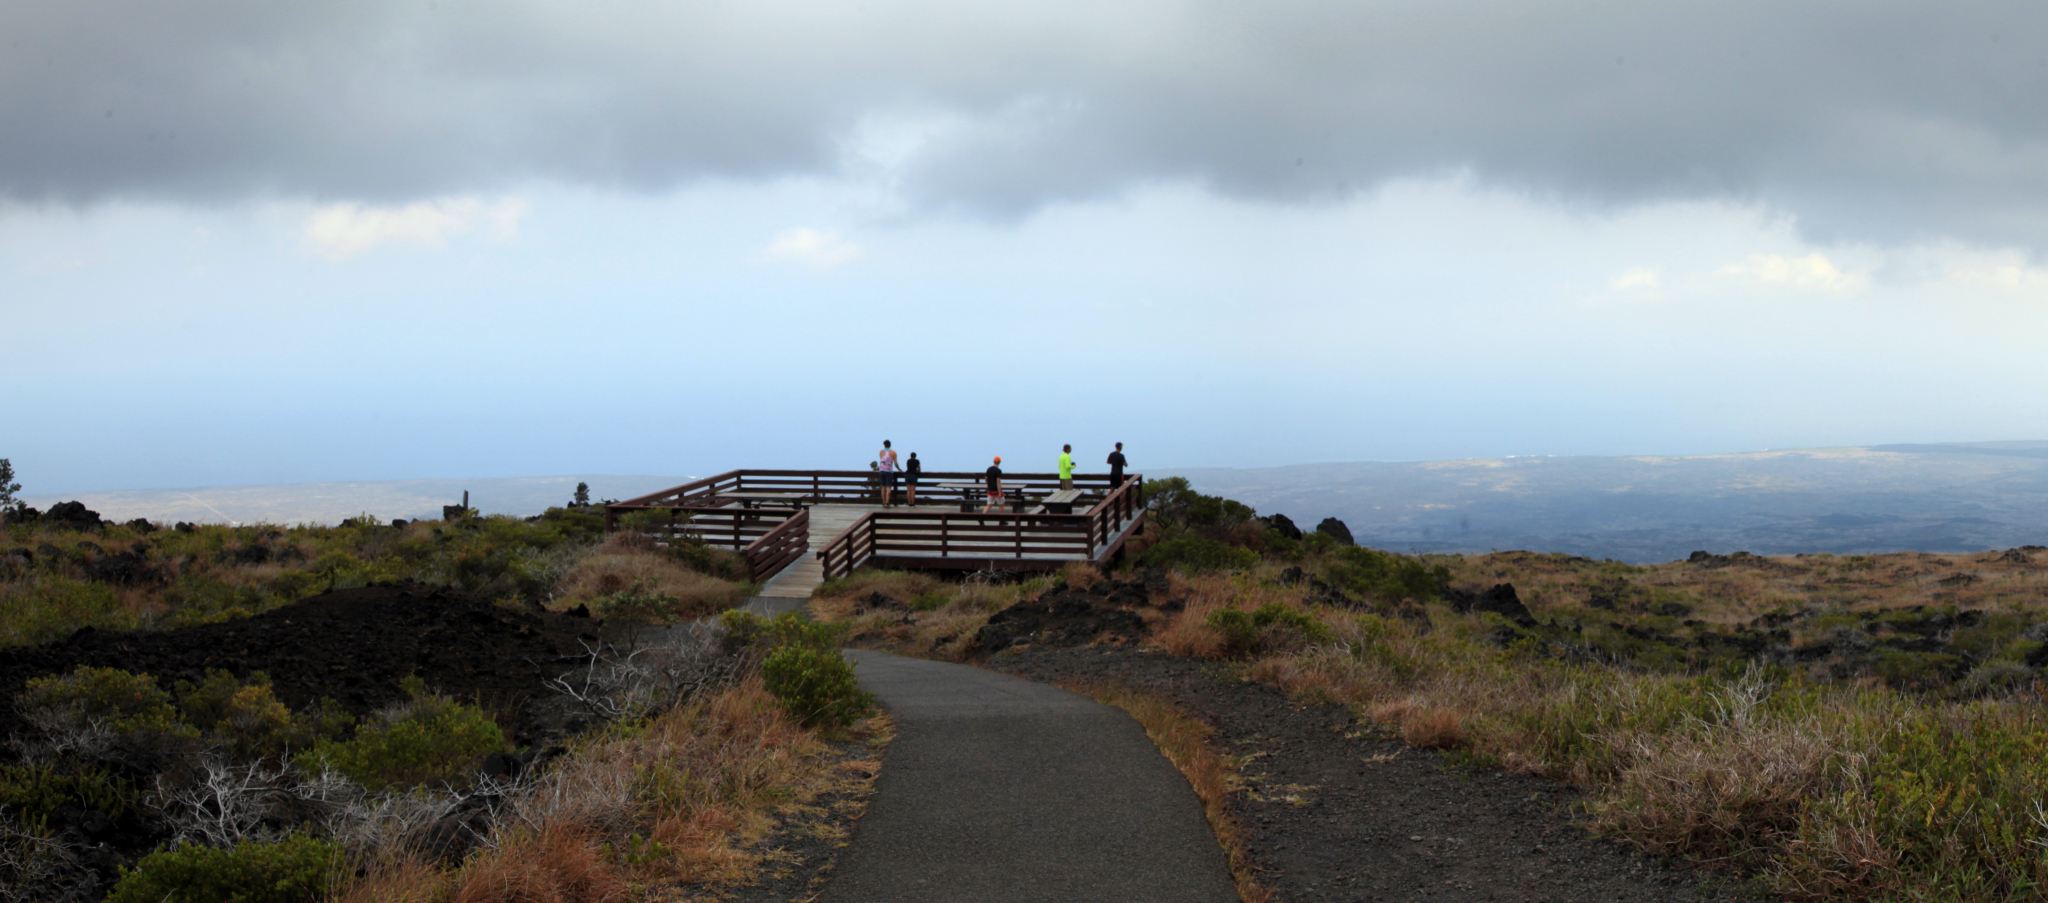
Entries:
{"x":1827,"y":756}
{"x":54,"y":581}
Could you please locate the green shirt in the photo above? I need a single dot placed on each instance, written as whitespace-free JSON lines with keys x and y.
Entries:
{"x":1066,"y":466}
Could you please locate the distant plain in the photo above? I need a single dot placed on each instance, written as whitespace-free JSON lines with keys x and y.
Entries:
{"x":1959,"y":497}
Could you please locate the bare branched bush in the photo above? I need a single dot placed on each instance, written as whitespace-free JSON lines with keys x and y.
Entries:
{"x":54,"y":733}
{"x":650,"y":672}
{"x":224,"y":802}
{"x":379,"y":826}
{"x":28,"y":861}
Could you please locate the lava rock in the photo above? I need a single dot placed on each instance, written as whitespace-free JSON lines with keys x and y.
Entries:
{"x":1284,"y":526}
{"x":874,"y":602}
{"x":1059,"y":618}
{"x":130,"y":568}
{"x":74,"y":515}
{"x":1335,"y":529}
{"x":1501,"y":600}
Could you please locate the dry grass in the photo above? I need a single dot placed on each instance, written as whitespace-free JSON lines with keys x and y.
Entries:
{"x":1187,"y":632}
{"x":556,"y":864}
{"x":1184,"y":740}
{"x":1434,"y":729}
{"x":395,"y":878}
{"x":1751,"y":586}
{"x":679,"y":800}
{"x":625,"y":559}
{"x":927,"y":617}
{"x":1827,"y":790}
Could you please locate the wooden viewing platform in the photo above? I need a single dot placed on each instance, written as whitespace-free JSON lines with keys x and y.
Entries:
{"x":771,"y":516}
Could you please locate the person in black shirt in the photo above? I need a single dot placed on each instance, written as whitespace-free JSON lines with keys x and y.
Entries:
{"x":911,"y":471}
{"x":1116,"y":467}
{"x":995,"y":485}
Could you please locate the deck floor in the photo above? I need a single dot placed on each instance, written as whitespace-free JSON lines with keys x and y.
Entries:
{"x":804,"y":574}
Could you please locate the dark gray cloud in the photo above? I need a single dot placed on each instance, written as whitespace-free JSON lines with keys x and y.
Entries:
{"x":1875,"y":119}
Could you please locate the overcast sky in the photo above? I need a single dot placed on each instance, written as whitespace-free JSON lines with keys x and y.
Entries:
{"x":251,"y":242}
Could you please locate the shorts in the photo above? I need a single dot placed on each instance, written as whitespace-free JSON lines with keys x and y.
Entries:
{"x":910,"y":480}
{"x":889,"y":478}
{"x":995,"y":493}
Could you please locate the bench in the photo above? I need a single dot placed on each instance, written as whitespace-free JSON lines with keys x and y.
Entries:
{"x":1060,"y":502}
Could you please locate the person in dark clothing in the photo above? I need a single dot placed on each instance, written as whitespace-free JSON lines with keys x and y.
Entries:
{"x":911,"y":472}
{"x":1116,"y":467}
{"x":995,"y":485}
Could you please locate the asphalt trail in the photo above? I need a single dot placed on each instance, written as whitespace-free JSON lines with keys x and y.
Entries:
{"x":1000,"y":790}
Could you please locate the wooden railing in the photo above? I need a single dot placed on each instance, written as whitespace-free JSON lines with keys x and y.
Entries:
{"x":770,"y":538}
{"x":973,"y":539}
{"x":839,"y":486}
{"x":846,"y":551}
{"x":729,"y":528}
{"x":778,"y":547}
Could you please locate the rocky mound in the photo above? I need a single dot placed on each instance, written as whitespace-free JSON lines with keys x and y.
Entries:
{"x":354,"y":645}
{"x":1065,"y":616}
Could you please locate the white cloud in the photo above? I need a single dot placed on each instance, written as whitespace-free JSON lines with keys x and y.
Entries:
{"x":2007,"y":278}
{"x":344,"y":230}
{"x":1812,"y":273}
{"x":817,"y":249}
{"x":1633,"y":278}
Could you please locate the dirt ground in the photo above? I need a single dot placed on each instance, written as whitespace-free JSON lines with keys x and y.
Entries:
{"x":1332,"y":813}
{"x":354,"y":645}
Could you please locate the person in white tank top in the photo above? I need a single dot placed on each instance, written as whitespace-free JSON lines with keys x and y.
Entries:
{"x":886,"y":462}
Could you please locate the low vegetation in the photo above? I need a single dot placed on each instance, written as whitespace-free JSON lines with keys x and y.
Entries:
{"x":689,"y":743}
{"x":60,"y":574}
{"x":1841,"y":727}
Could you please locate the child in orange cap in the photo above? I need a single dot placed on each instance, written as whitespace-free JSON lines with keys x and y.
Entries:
{"x":995,"y":485}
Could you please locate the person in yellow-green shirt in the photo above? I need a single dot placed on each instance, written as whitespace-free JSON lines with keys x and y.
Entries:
{"x":1066,"y":467}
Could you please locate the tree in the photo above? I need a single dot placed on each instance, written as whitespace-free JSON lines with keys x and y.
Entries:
{"x":582,"y":494}
{"x":7,"y":485}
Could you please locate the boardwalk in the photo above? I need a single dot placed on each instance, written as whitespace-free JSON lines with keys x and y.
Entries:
{"x":804,"y":575}
{"x":797,"y":528}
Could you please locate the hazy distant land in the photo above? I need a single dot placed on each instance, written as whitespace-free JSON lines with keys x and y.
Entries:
{"x":329,"y":503}
{"x":1933,"y":498}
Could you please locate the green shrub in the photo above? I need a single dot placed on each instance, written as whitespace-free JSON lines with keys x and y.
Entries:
{"x":817,"y":686}
{"x":429,"y":739}
{"x":248,"y":716}
{"x":803,"y":669}
{"x":639,"y":604}
{"x":1174,"y":504}
{"x":127,"y":703}
{"x":1385,"y":575}
{"x":1270,"y":627}
{"x":1195,"y":553}
{"x":1916,"y":670}
{"x":36,"y":792}
{"x":297,"y":869}
{"x":697,"y":556}
{"x":1280,"y":545}
{"x":51,"y":607}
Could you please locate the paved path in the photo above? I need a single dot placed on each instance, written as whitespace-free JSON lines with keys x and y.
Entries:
{"x":1000,"y":790}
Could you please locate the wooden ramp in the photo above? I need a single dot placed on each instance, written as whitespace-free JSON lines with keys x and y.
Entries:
{"x":798,"y":579}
